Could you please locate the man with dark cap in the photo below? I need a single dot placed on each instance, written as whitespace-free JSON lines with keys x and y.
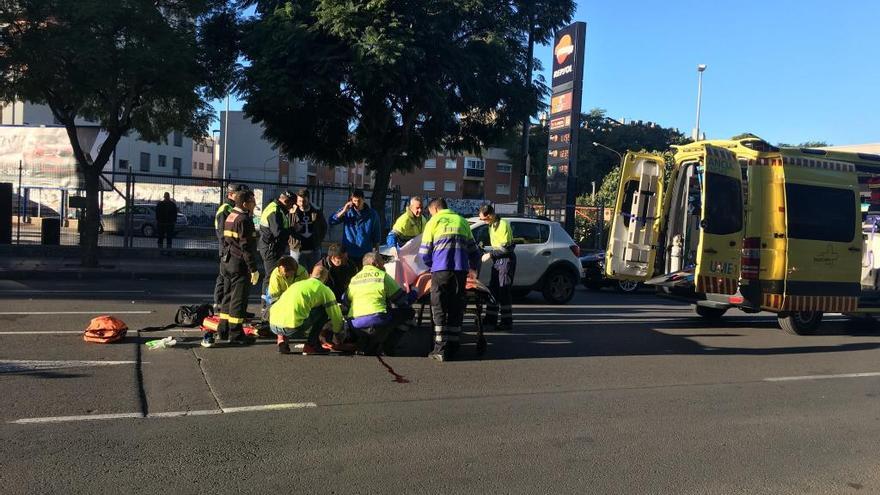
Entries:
{"x":223,"y":211}
{"x":274,"y":233}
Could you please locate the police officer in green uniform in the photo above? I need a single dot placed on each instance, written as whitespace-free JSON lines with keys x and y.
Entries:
{"x":370,"y":295}
{"x":501,"y":254}
{"x":274,"y":233}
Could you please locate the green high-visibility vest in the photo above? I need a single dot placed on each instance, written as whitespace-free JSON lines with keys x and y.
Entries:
{"x":369,"y":291}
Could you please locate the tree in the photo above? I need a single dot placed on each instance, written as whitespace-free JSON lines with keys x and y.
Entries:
{"x":594,"y":163}
{"x":388,"y":82}
{"x":805,"y":144}
{"x":148,"y":66}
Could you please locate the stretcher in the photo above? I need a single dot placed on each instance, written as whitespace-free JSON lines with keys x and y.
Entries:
{"x":407,"y":269}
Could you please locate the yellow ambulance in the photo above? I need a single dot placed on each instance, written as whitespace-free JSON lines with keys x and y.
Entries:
{"x":749,"y":225}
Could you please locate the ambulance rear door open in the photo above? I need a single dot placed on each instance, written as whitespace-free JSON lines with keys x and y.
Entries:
{"x":719,"y":254}
{"x":632,"y":241}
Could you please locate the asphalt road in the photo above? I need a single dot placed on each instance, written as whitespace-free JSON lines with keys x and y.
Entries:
{"x":610,"y":394}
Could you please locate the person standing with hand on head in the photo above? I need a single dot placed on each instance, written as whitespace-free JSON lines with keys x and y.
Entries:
{"x":362,"y":227}
{"x":501,"y":254}
{"x":307,"y":231}
{"x":239,"y":268}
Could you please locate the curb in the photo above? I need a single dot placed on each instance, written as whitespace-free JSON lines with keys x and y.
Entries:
{"x":103,"y":275}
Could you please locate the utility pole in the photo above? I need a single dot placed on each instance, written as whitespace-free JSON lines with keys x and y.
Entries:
{"x":225,"y":137}
{"x":700,"y":69}
{"x":525,"y":163}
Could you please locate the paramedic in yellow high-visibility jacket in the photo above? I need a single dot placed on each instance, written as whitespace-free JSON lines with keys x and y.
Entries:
{"x":305,"y":309}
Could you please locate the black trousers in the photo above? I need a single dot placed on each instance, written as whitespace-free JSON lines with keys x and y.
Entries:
{"x":448,"y":305}
{"x":164,"y":231}
{"x":218,"y":284}
{"x":236,"y":289}
{"x":369,"y":339}
{"x":270,"y":262}
{"x":500,"y":285}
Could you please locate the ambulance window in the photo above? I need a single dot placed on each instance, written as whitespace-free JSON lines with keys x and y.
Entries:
{"x":820,"y":213}
{"x":724,"y":210}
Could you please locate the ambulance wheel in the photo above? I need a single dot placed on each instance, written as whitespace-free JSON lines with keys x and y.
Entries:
{"x":626,"y":286}
{"x":800,"y":322}
{"x":148,"y":231}
{"x":710,"y":313}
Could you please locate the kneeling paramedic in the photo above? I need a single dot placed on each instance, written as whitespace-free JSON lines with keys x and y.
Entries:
{"x":283,"y":276}
{"x":304,"y":310}
{"x":503,"y":259}
{"x":239,"y":268}
{"x":371,"y":294}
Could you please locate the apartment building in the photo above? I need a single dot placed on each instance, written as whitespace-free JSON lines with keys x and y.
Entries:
{"x":491,"y":177}
{"x":204,"y":156}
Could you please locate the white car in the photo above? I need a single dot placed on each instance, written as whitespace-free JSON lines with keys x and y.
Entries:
{"x":547,"y":259}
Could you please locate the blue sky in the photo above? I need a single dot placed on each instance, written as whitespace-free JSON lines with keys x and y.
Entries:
{"x":786,"y":70}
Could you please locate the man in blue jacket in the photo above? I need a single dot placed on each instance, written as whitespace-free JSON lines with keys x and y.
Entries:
{"x":362,"y":228}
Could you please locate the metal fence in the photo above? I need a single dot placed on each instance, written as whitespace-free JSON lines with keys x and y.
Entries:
{"x":128,"y":202}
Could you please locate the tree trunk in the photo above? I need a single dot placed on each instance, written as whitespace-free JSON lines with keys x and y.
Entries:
{"x":382,"y":168}
{"x":88,"y":236}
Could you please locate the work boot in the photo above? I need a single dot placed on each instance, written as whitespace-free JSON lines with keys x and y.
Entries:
{"x":505,"y":326}
{"x":440,"y":353}
{"x":208,"y":340}
{"x":223,"y":330}
{"x":238,"y":337}
{"x":283,"y":346}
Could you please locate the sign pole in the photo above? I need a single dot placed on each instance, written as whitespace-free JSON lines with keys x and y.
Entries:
{"x":565,"y":115}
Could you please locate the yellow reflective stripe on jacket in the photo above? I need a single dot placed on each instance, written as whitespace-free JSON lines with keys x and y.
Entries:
{"x":230,"y":233}
{"x":234,"y":320}
{"x":268,"y":211}
{"x":500,"y":234}
{"x":369,"y":290}
{"x":409,"y":225}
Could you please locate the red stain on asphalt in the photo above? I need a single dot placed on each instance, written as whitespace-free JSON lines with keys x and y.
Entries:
{"x":397,"y":377}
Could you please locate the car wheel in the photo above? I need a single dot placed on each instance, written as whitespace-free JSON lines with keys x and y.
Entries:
{"x":800,"y":322}
{"x":148,"y":231}
{"x":626,"y":286}
{"x":559,"y":286}
{"x":710,"y":313}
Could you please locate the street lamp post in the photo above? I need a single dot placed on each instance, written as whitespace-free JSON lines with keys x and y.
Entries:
{"x":600,"y":145}
{"x":700,"y":69}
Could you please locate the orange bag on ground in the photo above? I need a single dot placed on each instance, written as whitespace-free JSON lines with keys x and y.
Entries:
{"x":105,"y":329}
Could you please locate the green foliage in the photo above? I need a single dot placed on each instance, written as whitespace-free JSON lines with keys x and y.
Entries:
{"x":805,"y":144}
{"x":594,"y":163}
{"x":149,"y":66}
{"x":387,"y":82}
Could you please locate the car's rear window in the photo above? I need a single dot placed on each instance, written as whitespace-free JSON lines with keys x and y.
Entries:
{"x":530,"y":233}
{"x":820,"y":213}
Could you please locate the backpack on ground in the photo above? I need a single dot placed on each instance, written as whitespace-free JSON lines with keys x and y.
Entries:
{"x":105,"y":329}
{"x":193,"y":315}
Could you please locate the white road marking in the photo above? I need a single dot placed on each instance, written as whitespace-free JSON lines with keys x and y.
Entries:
{"x":122,"y":312}
{"x":169,"y":414}
{"x":820,"y":377}
{"x":25,"y":365}
{"x":72,"y":291}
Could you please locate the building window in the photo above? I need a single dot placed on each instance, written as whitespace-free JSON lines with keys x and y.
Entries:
{"x":431,"y":163}
{"x":449,"y":185}
{"x":163,"y":161}
{"x":210,"y":167}
{"x":145,"y":162}
{"x":177,"y":164}
{"x":123,"y":164}
{"x":451,"y":164}
{"x":502,"y":189}
{"x":195,"y":146}
{"x":195,"y":165}
{"x":504,"y":168}
{"x":178,"y":138}
{"x":474,"y":167}
{"x":429,"y":185}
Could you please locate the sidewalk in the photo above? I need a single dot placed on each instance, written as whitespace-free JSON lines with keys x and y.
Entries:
{"x":178,"y":265}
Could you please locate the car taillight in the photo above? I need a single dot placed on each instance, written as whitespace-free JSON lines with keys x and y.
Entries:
{"x":751,"y":258}
{"x":735,"y":299}
{"x":575,"y":249}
